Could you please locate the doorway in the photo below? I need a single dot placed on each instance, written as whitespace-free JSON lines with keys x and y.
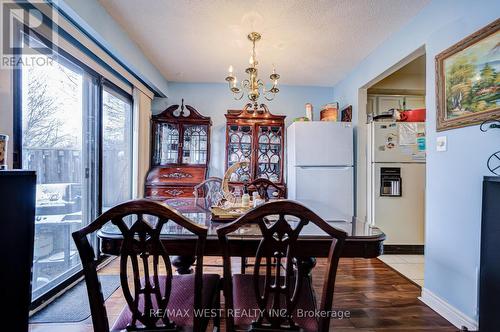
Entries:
{"x":391,"y":162}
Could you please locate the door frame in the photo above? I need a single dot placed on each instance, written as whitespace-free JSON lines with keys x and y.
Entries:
{"x":364,"y":176}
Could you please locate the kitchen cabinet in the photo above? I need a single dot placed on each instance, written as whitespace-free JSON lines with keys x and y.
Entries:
{"x":180,"y":138}
{"x":256,"y":137}
{"x":380,"y":104}
{"x":385,"y":103}
{"x":415,"y":102}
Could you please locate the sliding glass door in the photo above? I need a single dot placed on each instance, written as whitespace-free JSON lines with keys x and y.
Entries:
{"x":116,"y":147}
{"x":76,"y":133}
{"x":55,"y":144}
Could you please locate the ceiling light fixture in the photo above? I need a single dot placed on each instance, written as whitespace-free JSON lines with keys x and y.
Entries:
{"x":253,"y":86}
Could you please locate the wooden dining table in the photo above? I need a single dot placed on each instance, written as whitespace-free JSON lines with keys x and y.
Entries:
{"x":363,"y":240}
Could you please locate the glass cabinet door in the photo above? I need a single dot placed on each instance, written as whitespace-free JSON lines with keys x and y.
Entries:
{"x":166,"y":144}
{"x":194,"y":145}
{"x":239,"y":149}
{"x":269,"y":153}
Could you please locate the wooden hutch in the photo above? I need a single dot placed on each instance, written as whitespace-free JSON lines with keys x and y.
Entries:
{"x":256,"y":136}
{"x":180,"y":142}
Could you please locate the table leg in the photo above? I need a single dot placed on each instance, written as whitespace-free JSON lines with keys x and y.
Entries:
{"x":183,"y":264}
{"x":307,"y":264}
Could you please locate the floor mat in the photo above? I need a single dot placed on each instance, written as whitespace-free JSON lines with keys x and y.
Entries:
{"x":73,"y":306}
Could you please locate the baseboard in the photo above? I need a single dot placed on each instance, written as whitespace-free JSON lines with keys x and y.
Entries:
{"x":403,"y":249}
{"x":447,"y":311}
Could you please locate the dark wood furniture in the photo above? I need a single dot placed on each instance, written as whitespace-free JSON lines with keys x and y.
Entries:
{"x":363,"y":239}
{"x":489,"y":275}
{"x":180,"y":140}
{"x":139,"y":224}
{"x":209,"y":192}
{"x":257,"y":137}
{"x":267,"y":189}
{"x":17,"y":208}
{"x":275,"y":283}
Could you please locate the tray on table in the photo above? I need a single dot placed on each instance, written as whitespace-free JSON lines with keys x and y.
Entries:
{"x":229,"y":214}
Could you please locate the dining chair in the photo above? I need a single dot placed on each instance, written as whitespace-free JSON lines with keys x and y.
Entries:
{"x":153,"y":292}
{"x":266,"y":189}
{"x":210,"y":191}
{"x":278,"y":284}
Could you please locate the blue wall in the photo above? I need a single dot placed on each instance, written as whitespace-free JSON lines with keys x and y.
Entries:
{"x":453,"y":200}
{"x":214,"y":99}
{"x":92,"y":16}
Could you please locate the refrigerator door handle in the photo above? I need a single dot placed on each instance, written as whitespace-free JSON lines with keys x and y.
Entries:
{"x":325,"y":167}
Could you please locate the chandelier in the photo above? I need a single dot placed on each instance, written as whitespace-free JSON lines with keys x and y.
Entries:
{"x":253,"y":86}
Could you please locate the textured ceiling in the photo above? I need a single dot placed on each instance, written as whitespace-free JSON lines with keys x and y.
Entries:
{"x":310,"y":42}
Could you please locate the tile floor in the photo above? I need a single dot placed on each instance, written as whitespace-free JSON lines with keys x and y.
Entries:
{"x":410,"y":266}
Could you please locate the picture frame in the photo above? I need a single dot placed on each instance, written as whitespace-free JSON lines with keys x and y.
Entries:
{"x":346,"y":114}
{"x":467,"y":74}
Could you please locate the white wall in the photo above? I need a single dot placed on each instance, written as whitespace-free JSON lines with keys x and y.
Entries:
{"x":214,"y":99}
{"x":453,"y":200}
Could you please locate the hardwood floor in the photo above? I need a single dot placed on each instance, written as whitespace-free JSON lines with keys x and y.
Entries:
{"x":377,"y":297}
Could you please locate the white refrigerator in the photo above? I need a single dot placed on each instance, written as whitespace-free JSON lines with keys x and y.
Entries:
{"x":397,"y":153}
{"x":320,"y":168}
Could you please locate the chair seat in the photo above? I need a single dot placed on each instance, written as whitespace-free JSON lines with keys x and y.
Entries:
{"x":181,"y":299}
{"x":244,"y":300}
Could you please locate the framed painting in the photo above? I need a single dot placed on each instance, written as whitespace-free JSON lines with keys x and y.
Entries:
{"x":468,"y":80}
{"x":346,"y":114}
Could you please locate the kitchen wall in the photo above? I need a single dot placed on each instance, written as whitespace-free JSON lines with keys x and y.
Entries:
{"x":407,"y":80}
{"x":453,"y":200}
{"x":214,"y":99}
{"x":409,"y":83}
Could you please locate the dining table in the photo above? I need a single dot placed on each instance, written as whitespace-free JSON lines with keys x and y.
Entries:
{"x":363,"y":239}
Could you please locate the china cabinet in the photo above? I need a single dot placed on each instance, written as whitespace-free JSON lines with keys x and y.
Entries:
{"x":180,"y":141}
{"x":256,"y":137}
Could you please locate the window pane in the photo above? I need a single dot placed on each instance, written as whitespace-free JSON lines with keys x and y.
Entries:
{"x":53,"y":141}
{"x":117,"y":149}
{"x":167,"y":144}
{"x":194,"y":147}
{"x":269,"y":153}
{"x":240,"y":149}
